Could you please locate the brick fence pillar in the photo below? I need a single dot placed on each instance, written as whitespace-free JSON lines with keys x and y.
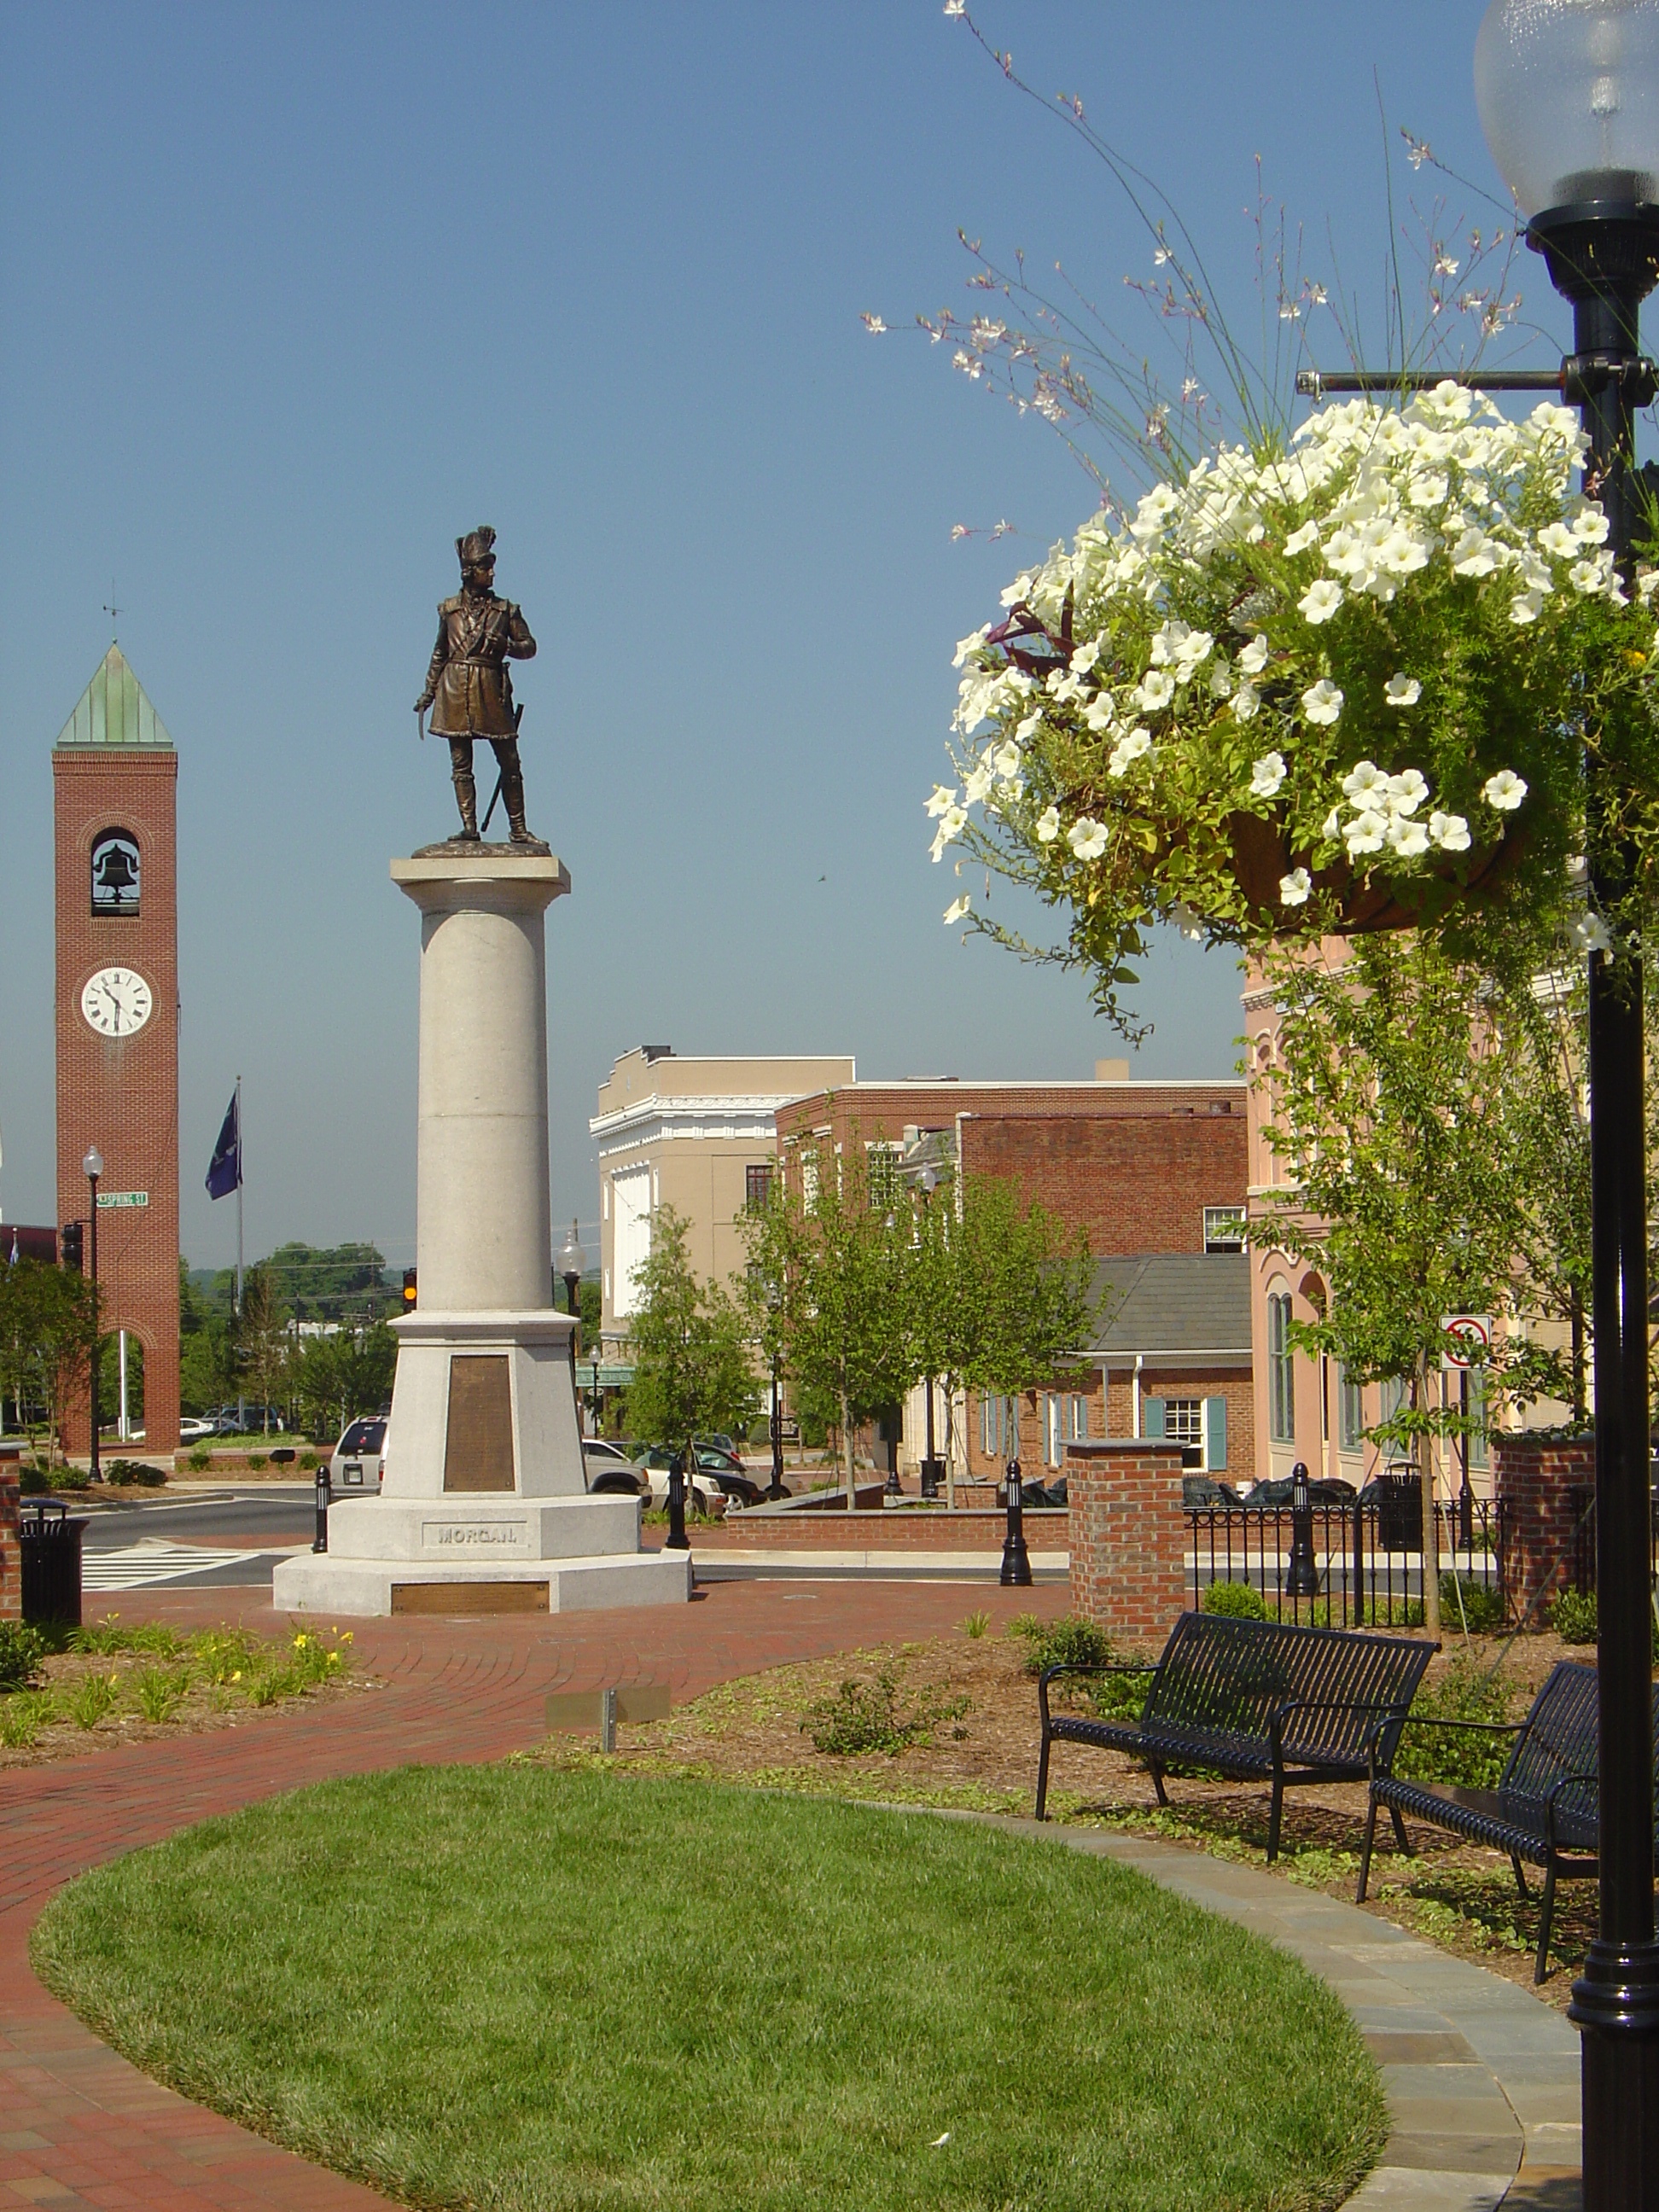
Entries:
{"x":1128,"y":1534}
{"x":1541,"y":1483}
{"x":11,"y":1550}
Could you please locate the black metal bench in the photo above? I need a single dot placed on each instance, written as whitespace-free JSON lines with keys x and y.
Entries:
{"x":1256,"y":1699}
{"x":1543,"y":1811}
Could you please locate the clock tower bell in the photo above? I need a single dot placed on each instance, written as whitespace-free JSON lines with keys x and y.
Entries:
{"x":114,"y":778}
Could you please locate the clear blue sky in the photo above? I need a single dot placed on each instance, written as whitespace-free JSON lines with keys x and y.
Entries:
{"x":289,"y":296}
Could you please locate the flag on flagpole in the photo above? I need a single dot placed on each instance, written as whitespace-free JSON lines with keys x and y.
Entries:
{"x":224,"y":1173}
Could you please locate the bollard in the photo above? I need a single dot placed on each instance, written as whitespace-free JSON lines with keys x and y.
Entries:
{"x":677,"y":1541}
{"x":607,"y":1719}
{"x":1303,"y":1579}
{"x":320,"y":1541}
{"x":1356,"y":1610}
{"x":1015,"y":1559}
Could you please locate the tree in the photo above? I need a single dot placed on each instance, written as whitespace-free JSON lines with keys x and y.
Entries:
{"x":45,"y":1336}
{"x":692,"y":1367}
{"x":999,"y":1296}
{"x":1424,"y":1179}
{"x":261,"y":1342}
{"x":335,"y":1378}
{"x":834,"y":1263}
{"x":207,"y":1352}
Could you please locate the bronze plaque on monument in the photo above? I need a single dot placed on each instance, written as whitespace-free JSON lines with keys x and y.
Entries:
{"x":478,"y":1448}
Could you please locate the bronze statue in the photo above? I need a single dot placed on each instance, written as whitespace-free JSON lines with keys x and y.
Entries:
{"x":468,"y":686}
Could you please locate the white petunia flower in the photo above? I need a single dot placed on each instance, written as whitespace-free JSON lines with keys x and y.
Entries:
{"x":1006,"y":759}
{"x":1366,"y":832}
{"x":1331,"y":825}
{"x":1408,"y":838}
{"x":1221,"y":681}
{"x":1402,"y":691}
{"x":1187,"y":921}
{"x":1086,"y":657}
{"x":1475,"y":554}
{"x":1029,"y":726}
{"x":1525,"y":605}
{"x":1254,"y":656}
{"x":1300,"y":540}
{"x":1363,"y":779}
{"x":1590,"y":526}
{"x":1320,"y":600}
{"x":1321,"y":702}
{"x":1503,"y":791}
{"x":1047,"y":828}
{"x":1130,"y":747}
{"x":957,"y":908}
{"x":978,"y":782}
{"x":952,"y":823}
{"x":1156,"y":690}
{"x":1588,"y":576}
{"x":1101,"y":712}
{"x":1407,"y":791}
{"x":944,"y":798}
{"x":1293,"y":889}
{"x":1087,"y":837}
{"x":1591,"y":934}
{"x":969,"y":645}
{"x":1557,"y":540}
{"x":1247,"y":701}
{"x":1266,"y":777}
{"x":1450,"y":831}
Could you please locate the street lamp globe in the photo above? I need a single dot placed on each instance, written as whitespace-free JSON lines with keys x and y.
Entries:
{"x":93,"y":1166}
{"x":572,"y":1260}
{"x":1568,"y":95}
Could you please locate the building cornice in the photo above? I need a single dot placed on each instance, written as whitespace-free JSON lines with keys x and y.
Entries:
{"x":648,"y":1121}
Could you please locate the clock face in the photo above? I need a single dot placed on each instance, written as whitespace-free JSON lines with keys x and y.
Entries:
{"x":116,"y":1001}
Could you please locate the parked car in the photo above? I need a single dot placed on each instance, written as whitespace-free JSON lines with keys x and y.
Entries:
{"x":653,"y":1463}
{"x":358,"y":1461}
{"x":196,"y":1426}
{"x":1202,"y":1490}
{"x":610,"y":1471}
{"x":1323,"y":1490}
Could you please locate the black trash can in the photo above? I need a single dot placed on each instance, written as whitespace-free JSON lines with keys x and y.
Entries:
{"x":50,"y":1544}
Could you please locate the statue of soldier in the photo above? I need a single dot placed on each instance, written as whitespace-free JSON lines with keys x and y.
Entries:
{"x":468,"y":686}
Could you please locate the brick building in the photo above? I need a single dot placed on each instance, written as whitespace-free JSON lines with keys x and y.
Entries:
{"x":115,"y":784}
{"x":1154,"y":1175}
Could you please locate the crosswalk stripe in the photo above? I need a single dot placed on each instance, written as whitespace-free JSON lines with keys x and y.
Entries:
{"x":137,"y":1565}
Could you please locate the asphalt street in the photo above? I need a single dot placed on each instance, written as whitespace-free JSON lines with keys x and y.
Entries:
{"x":273,"y":1515}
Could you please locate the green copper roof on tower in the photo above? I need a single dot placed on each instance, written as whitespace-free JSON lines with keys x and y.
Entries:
{"x":114,"y":709}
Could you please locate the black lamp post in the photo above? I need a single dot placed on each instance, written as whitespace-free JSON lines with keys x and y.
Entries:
{"x":92,"y":1168}
{"x":1568,"y":92}
{"x":1569,"y":101}
{"x":571,"y":1262}
{"x":1302,"y":1579}
{"x":930,"y":1467}
{"x":775,"y":1307}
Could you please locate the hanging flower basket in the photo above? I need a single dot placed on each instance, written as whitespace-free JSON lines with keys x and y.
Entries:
{"x":1342,"y":687}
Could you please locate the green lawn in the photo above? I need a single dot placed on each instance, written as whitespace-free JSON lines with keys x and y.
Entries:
{"x":512,"y":1987}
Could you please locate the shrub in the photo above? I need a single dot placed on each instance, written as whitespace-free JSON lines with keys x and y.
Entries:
{"x":1573,"y":1616}
{"x":96,"y":1694}
{"x":22,"y":1648}
{"x":69,"y":1477}
{"x":23,"y":1715}
{"x":1465,"y":1692}
{"x":1069,"y":1643}
{"x":257,"y":1462}
{"x":865,"y":1717}
{"x":32,"y":1480}
{"x":137,"y":1471}
{"x":306,"y":1463}
{"x":159,"y":1691}
{"x":106,"y":1636}
{"x":1235,"y":1601}
{"x":1476,"y":1606}
{"x":224,"y":1655}
{"x":198,"y":1459}
{"x":976,"y":1624}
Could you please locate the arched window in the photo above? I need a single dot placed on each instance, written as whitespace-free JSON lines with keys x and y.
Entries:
{"x":115,"y":869}
{"x":1281,"y":1370}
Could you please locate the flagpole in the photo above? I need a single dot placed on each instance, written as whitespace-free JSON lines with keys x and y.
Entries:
{"x":242,"y":1416}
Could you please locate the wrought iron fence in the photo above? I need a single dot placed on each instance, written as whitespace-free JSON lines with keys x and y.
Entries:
{"x":1355,"y":1565}
{"x":1583,"y":1539}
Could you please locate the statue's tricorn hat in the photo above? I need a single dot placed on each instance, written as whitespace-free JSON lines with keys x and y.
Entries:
{"x":475,"y":548}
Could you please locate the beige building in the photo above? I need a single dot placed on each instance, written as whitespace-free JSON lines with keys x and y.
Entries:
{"x":700,"y":1135}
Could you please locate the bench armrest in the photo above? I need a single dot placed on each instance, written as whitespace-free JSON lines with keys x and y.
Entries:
{"x":1282,"y":1713}
{"x":1566,"y":1782}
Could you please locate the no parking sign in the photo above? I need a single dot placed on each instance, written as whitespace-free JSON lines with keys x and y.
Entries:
{"x":1465,"y":1340}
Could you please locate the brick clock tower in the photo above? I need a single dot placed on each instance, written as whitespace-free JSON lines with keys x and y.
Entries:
{"x":114,"y":778}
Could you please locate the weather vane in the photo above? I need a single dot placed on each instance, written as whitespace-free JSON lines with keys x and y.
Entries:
{"x":111,"y":608}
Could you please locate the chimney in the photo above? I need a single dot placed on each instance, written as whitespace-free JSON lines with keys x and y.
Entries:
{"x":1111,"y":1071}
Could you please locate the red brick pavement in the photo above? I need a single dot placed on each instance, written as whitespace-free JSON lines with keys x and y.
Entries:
{"x":78,"y":2125}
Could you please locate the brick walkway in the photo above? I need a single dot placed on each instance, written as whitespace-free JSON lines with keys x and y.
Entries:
{"x":78,"y":2125}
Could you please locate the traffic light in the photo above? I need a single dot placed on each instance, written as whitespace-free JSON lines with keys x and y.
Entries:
{"x":408,"y":1290}
{"x":68,"y":1246}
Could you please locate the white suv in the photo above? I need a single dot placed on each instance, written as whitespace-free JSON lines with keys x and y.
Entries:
{"x":358,"y":1461}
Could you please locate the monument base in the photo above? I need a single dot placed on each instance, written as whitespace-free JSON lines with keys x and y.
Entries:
{"x":325,"y":1582}
{"x":485,"y":1506}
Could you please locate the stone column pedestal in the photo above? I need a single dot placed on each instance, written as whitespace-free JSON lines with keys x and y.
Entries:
{"x":484,"y":1505}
